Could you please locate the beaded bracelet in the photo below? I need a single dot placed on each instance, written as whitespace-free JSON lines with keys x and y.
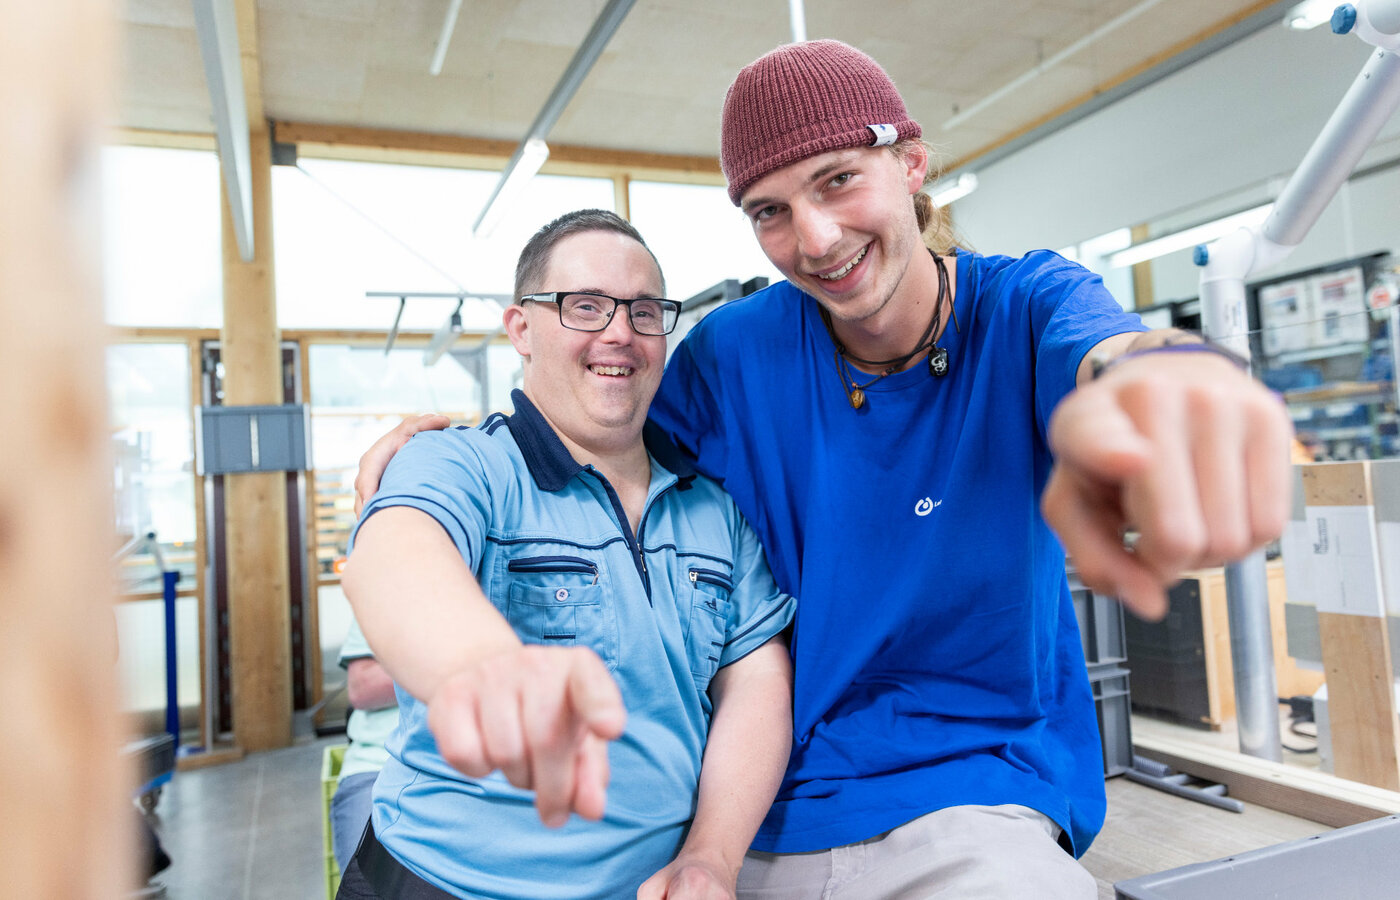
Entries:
{"x":1098,"y":365}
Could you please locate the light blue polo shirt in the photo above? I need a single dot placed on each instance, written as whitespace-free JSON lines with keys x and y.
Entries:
{"x":552,"y":549}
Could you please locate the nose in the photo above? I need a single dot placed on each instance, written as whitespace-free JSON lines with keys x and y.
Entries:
{"x":619,"y":328}
{"x":817,"y":234}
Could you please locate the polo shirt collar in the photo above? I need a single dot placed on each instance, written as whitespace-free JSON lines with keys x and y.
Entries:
{"x":551,"y":464}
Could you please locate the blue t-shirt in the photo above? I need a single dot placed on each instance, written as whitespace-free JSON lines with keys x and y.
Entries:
{"x":936,"y":653}
{"x":665,"y":608}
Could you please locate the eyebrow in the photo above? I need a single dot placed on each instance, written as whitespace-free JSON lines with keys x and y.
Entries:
{"x":587,"y":290}
{"x":844,"y":160}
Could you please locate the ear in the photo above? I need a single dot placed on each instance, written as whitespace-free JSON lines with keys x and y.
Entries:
{"x":915,"y":157}
{"x":517,"y":326}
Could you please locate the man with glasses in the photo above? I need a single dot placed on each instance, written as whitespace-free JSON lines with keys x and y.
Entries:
{"x":560,"y":596}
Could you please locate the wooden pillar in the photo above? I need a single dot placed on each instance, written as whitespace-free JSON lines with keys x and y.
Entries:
{"x":1143,"y":293}
{"x":66,"y":793}
{"x":1341,"y":512}
{"x":622,"y":195}
{"x":256,"y":502}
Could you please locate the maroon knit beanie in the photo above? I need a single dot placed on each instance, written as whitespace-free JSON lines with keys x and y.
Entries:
{"x":803,"y":99}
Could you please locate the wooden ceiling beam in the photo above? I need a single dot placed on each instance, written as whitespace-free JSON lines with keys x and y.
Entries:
{"x":384,"y":145}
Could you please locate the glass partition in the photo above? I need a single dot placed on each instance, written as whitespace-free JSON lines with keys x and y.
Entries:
{"x":698,"y":236}
{"x":153,"y":473}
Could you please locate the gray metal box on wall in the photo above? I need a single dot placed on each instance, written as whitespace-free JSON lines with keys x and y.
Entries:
{"x":253,"y":439}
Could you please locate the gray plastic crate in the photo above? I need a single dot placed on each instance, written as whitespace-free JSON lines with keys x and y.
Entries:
{"x":1114,"y":707}
{"x":1360,"y":861}
{"x":1100,"y":624}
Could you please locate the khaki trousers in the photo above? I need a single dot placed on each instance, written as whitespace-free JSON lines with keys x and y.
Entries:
{"x":963,"y":852}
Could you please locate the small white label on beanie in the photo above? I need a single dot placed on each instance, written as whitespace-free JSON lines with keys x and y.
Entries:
{"x":884,"y":135}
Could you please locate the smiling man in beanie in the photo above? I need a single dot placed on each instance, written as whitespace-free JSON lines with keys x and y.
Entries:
{"x":904,"y":422}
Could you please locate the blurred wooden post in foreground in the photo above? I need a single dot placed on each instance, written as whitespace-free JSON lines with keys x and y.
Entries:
{"x":62,"y":784}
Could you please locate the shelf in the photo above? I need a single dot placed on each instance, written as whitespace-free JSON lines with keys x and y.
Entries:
{"x":1342,"y":391}
{"x":1342,"y":433}
{"x":1311,"y":353}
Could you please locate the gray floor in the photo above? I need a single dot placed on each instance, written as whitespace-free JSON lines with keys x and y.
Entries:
{"x":246,"y":830}
{"x":251,"y":830}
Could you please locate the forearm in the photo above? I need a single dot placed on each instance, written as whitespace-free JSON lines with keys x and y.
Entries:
{"x":417,"y":602}
{"x":747,"y":753}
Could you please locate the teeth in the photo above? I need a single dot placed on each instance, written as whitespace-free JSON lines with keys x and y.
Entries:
{"x":610,"y":370}
{"x":844,"y":270}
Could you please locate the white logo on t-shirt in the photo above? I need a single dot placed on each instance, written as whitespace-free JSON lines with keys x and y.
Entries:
{"x":926,"y":506}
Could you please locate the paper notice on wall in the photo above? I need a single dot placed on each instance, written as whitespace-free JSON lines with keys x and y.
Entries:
{"x":1341,"y":316}
{"x":1286,"y":312}
{"x":1344,"y":559}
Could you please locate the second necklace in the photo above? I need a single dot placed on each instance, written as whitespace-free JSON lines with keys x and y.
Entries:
{"x":937,"y":358}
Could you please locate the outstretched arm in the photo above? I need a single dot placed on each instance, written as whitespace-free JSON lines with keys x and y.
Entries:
{"x":1183,"y":448}
{"x":747,"y":752}
{"x":542,"y":715}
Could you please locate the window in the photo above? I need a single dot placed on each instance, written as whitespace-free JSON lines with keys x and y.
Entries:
{"x":698,"y":236}
{"x":162,"y":258}
{"x":345,"y":228}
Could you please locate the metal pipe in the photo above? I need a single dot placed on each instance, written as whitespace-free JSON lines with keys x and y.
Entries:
{"x":1044,"y":66}
{"x":1365,"y":108}
{"x":587,"y":54}
{"x":449,"y":25}
{"x":1252,"y":650}
{"x":799,"y":21}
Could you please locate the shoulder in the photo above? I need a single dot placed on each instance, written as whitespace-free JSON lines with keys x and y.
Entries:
{"x":487,"y":446}
{"x":1019,"y":272}
{"x":751,"y":316}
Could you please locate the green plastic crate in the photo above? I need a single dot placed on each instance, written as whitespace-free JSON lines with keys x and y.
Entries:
{"x":330,"y":775}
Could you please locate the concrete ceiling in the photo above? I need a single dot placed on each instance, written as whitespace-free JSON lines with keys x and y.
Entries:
{"x":659,"y":84}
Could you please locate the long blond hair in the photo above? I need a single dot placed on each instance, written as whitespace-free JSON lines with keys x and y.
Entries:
{"x":935,"y":224}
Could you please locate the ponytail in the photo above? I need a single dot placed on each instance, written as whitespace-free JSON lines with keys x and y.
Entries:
{"x":935,"y":224}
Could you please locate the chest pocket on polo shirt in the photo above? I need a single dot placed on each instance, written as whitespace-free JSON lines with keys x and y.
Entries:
{"x":709,"y":623}
{"x":555,"y":601}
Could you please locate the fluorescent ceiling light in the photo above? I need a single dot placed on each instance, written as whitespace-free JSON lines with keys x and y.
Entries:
{"x":445,"y":337}
{"x":532,"y":152}
{"x":449,"y":24}
{"x":945,"y":192}
{"x":1310,"y":14}
{"x":521,"y":168}
{"x":1188,"y":237}
{"x":1044,"y":66}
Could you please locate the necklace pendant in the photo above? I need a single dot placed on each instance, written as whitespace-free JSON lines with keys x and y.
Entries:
{"x":857,"y":397}
{"x":938,"y":362}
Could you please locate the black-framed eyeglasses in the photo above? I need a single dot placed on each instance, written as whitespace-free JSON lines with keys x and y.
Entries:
{"x":584,"y":311}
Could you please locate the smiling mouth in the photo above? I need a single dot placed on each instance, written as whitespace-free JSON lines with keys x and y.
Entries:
{"x":611,"y":370}
{"x":846,"y":269}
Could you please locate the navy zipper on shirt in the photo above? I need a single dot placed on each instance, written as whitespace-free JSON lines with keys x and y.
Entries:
{"x":570,"y":564}
{"x":633,"y":541}
{"x":710,"y":576}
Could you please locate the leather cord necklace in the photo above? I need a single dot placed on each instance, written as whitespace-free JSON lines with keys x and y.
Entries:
{"x":937,"y":359}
